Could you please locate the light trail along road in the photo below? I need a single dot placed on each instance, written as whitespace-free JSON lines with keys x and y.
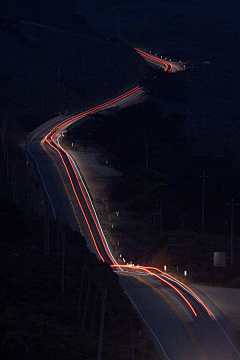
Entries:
{"x":182,"y":326}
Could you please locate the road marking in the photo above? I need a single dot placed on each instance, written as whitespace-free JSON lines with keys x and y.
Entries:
{"x":45,"y":188}
{"x":151,"y":330}
{"x":65,"y":186}
{"x":226,"y":334}
{"x":174,"y":310}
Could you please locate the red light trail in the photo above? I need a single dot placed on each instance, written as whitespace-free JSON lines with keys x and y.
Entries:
{"x":167,"y":65}
{"x":49,"y":138}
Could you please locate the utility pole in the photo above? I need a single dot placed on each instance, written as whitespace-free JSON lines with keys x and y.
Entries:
{"x":81,"y":285}
{"x":93,"y":311}
{"x":63,"y":262}
{"x":7,"y":167}
{"x":46,"y":242}
{"x":4,"y":124}
{"x":59,"y":67}
{"x":39,"y":198}
{"x":146,"y":155}
{"x":203,"y":176}
{"x":231,"y":226}
{"x":14,"y":181}
{"x":100,"y":339}
{"x":131,"y":347}
{"x":41,"y":103}
{"x":182,"y":216}
{"x":161,"y":218}
{"x":13,"y":173}
{"x":58,"y":234}
{"x":83,"y":67}
{"x":14,"y":190}
{"x":86,"y":305}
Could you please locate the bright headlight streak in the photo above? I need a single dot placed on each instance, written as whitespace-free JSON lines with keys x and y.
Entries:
{"x":98,"y":225}
{"x":99,"y":229}
{"x":95,"y":108}
{"x":73,"y":187}
{"x":51,"y":135}
{"x":165,"y":281}
{"x":180,"y":283}
{"x":74,"y":167}
{"x":183,"y":286}
{"x":168,"y":66}
{"x":54,"y":131}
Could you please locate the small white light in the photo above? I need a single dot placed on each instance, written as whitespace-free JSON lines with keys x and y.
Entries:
{"x":185,"y":273}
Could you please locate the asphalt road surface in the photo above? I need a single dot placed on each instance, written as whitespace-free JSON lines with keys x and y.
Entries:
{"x":181,"y":325}
{"x":178,"y":333}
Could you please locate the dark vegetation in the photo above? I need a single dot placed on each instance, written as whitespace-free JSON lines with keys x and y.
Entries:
{"x":191,"y":30}
{"x":60,"y":14}
{"x":174,"y":165}
{"x":51,"y":63}
{"x":194,"y":29}
{"x":192,"y":251}
{"x":66,"y":64}
{"x":173,"y":176}
{"x":207,"y":97}
{"x":52,"y":60}
{"x":38,"y":320}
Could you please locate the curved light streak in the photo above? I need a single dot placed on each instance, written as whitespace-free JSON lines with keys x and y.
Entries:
{"x":98,"y":227}
{"x":49,"y":138}
{"x":73,"y":187}
{"x":167,"y":65}
{"x":183,"y":285}
{"x":163,"y":280}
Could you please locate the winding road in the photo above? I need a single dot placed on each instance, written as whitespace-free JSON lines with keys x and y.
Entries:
{"x":183,"y":323}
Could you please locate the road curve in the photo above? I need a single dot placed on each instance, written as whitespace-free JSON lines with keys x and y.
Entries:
{"x":182,"y":326}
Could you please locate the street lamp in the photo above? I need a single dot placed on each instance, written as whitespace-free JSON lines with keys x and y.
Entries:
{"x":231,"y":247}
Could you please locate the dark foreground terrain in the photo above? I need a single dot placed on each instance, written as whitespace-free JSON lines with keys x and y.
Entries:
{"x":42,"y":316}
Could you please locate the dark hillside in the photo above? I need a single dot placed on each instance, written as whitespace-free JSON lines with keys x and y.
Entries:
{"x":159,"y":162}
{"x":194,"y":30}
{"x":44,"y":70}
{"x":58,"y":13}
{"x":38,"y":318}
